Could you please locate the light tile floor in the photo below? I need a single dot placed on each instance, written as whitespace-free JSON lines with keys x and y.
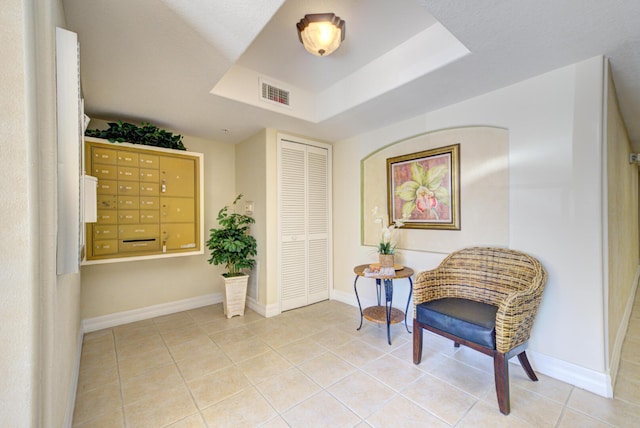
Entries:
{"x":310,"y":368}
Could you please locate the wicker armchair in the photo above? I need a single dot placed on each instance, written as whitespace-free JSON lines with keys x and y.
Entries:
{"x":483,"y":298}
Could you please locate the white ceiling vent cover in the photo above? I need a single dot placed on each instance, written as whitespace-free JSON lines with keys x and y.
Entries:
{"x":272,"y":94}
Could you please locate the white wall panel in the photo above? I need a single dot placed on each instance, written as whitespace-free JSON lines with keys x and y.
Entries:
{"x":555,"y":204}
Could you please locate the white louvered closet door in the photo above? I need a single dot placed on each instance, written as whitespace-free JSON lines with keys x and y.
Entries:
{"x":304,"y":224}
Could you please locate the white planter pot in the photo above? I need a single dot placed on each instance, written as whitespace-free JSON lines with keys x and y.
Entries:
{"x":235,"y":295}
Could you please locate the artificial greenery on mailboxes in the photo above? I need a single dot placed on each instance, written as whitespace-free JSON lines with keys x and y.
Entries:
{"x":147,"y":134}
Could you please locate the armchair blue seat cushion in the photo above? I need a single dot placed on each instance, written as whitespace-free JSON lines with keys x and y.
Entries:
{"x":467,"y":319}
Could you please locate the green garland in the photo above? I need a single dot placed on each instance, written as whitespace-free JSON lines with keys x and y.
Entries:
{"x":147,"y":134}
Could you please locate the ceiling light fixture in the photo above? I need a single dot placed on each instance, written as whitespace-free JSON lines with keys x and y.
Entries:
{"x":321,"y":33}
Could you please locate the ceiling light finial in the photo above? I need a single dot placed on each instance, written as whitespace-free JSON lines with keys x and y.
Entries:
{"x":321,"y":33}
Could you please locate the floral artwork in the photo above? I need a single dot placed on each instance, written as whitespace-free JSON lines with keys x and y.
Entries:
{"x":423,"y":189}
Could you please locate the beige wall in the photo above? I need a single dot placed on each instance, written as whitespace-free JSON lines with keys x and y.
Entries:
{"x":622,"y":227}
{"x":484,"y":202}
{"x":62,"y":333}
{"x":248,"y":168}
{"x":273,"y":292}
{"x":251,"y":182}
{"x":18,"y":279}
{"x":256,"y":178}
{"x":555,"y":207}
{"x":124,"y":286}
{"x":40,"y":311}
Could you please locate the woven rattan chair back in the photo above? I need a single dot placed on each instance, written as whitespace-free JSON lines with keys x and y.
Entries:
{"x":482,"y":274}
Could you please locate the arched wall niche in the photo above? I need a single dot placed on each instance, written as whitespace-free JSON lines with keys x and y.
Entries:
{"x":484,"y":190}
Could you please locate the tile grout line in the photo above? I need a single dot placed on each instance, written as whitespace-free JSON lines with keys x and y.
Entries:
{"x":120,"y":386}
{"x":184,"y":381}
{"x":566,"y":408}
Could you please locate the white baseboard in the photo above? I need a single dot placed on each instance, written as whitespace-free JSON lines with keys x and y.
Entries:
{"x":348,"y":298}
{"x":590,"y":380}
{"x":112,"y":320}
{"x":73,"y":385}
{"x":266,"y":311}
{"x":621,"y":333}
{"x":272,"y":310}
{"x":255,"y":306}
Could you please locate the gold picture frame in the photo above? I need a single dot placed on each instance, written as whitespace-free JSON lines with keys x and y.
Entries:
{"x":423,"y":189}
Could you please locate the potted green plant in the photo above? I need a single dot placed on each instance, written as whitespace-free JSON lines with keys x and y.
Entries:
{"x":231,"y":245}
{"x":388,"y":243}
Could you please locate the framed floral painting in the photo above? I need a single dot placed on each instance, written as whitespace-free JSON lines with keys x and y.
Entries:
{"x":423,"y":189}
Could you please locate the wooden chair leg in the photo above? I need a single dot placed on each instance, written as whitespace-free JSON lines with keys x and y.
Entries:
{"x":524,"y":361}
{"x":501,"y":373}
{"x":417,"y":342}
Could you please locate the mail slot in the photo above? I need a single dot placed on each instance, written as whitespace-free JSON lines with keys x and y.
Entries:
{"x":142,"y":245}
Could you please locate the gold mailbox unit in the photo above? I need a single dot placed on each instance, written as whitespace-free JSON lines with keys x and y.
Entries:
{"x":149,"y":201}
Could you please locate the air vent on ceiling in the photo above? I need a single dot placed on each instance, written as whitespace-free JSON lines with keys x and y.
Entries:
{"x":273,"y":94}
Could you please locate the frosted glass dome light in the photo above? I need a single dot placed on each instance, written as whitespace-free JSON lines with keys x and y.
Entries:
{"x":321,"y":33}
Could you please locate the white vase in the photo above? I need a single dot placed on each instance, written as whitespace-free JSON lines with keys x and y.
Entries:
{"x":235,"y":295}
